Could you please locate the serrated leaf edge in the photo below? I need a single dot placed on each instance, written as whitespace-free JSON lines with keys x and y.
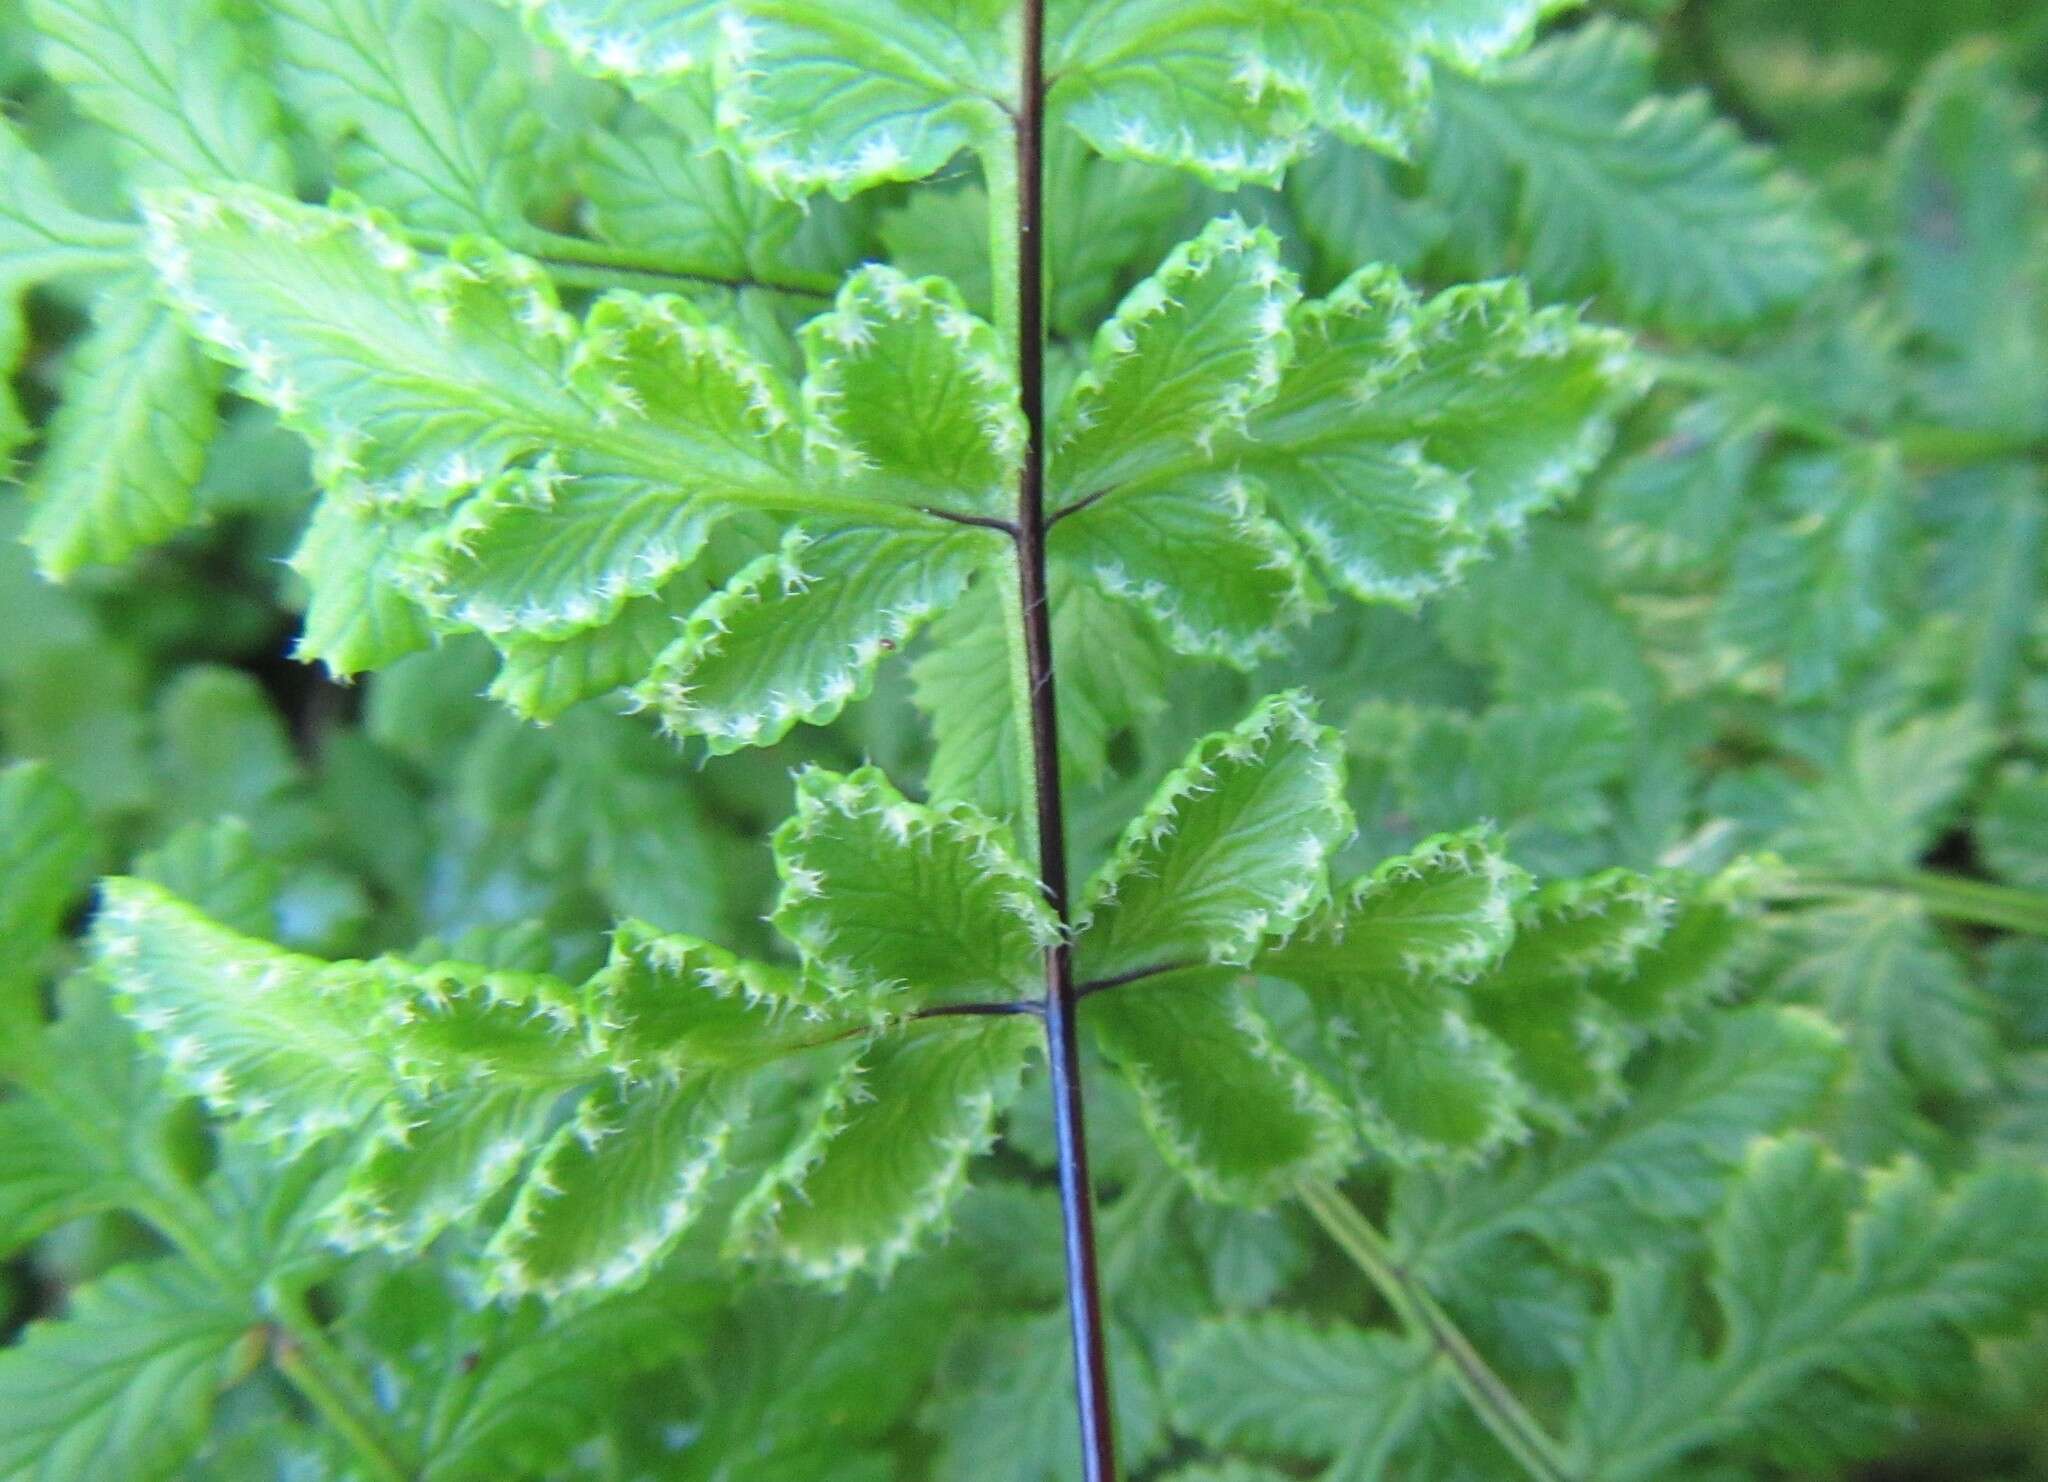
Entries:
{"x":1290,"y":714}
{"x":1116,"y":341}
{"x":867,"y":793}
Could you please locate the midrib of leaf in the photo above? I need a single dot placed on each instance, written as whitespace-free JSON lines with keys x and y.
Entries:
{"x":575,"y":262}
{"x":1464,"y":1226}
{"x":380,"y":53}
{"x":140,"y":1184}
{"x":2008,"y":585}
{"x":1182,"y":874}
{"x":1732,"y":1385}
{"x":1366,"y":1458}
{"x":1769,"y":1365}
{"x":1520,"y":117}
{"x":906,"y":62}
{"x":645,"y":451}
{"x":168,"y":95}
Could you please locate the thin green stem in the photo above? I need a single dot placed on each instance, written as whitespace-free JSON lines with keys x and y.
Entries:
{"x":317,"y":1371}
{"x":1951,"y":897}
{"x":1706,"y":373}
{"x":1003,"y":577}
{"x":597,"y":268}
{"x":115,"y":244}
{"x":1494,"y":1403}
{"x":1949,"y":447}
{"x":1923,"y":444}
{"x":109,"y":247}
{"x":187,"y":1223}
{"x":598,"y":278}
{"x":999,"y":170}
{"x":560,"y":248}
{"x":299,"y":1350}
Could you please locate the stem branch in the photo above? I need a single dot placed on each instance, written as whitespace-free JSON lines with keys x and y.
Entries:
{"x":980,"y":1010}
{"x":1495,"y":1404}
{"x":558,"y":248}
{"x":1952,"y":897}
{"x":303,"y":1355}
{"x":299,"y":1350}
{"x":1135,"y":975}
{"x":1020,"y":298}
{"x":597,"y":267}
{"x":1926,"y":445}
